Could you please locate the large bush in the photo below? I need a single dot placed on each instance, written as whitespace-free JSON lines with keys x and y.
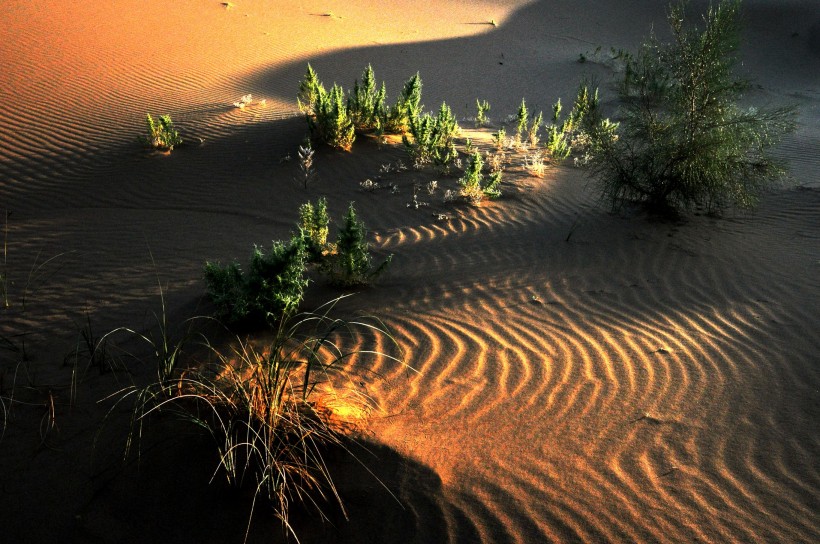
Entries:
{"x":682,"y":139}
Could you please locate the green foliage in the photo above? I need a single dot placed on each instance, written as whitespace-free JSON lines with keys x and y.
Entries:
{"x":475,"y":186}
{"x":499,"y":138}
{"x":523,"y":118}
{"x":314,"y":224}
{"x":683,"y":140}
{"x":331,"y":122}
{"x":433,"y":138}
{"x":161,"y":133}
{"x":482,"y":107}
{"x":272,"y":288}
{"x":366,"y":105}
{"x":533,"y":128}
{"x":407,"y":107}
{"x":352,"y":264}
{"x":310,"y":88}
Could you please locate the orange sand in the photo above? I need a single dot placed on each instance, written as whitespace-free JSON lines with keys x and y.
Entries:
{"x":639,"y":382}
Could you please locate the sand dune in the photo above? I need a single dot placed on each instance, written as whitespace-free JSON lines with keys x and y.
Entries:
{"x":582,"y":376}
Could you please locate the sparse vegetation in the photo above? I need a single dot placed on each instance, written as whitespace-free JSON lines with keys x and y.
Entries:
{"x":682,"y":139}
{"x":161,"y":133}
{"x":307,"y":172}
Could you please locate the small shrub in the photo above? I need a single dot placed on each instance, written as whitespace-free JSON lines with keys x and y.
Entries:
{"x":482,"y":107}
{"x":310,"y":88}
{"x":407,"y":107}
{"x":272,"y":288}
{"x":332,"y":124}
{"x":314,"y":223}
{"x":500,"y":138}
{"x":433,"y":138}
{"x":161,"y":133}
{"x":682,"y":139}
{"x":474,"y":185}
{"x":352,"y":263}
{"x":366,"y":105}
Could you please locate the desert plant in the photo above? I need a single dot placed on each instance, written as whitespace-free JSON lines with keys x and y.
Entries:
{"x":522,"y":121}
{"x":500,"y":138}
{"x":482,"y":107}
{"x":352,"y":263}
{"x":432,"y":138}
{"x":683,"y":140}
{"x":475,"y":186}
{"x":366,"y":105}
{"x":161,"y":133}
{"x":310,"y":88}
{"x":535,"y":164}
{"x":331,"y":123}
{"x":314,"y":224}
{"x":307,"y":172}
{"x":272,"y":408}
{"x":273,"y":286}
{"x":407,"y":107}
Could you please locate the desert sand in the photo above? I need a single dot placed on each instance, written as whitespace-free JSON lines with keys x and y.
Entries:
{"x":583,"y":376}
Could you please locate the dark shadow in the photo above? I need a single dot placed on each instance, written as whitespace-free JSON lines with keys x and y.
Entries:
{"x":165,"y":497}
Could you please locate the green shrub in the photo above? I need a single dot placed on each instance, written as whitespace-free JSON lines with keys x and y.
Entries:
{"x":332,"y":124}
{"x":482,"y":107}
{"x":366,"y":105}
{"x":352,"y":263}
{"x":314,"y":224}
{"x":475,"y":186}
{"x":407,"y":107}
{"x":310,"y":88}
{"x":683,"y":140}
{"x":433,"y":138}
{"x":273,"y":286}
{"x":161,"y":133}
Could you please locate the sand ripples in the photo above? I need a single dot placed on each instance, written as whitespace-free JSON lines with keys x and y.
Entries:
{"x":638,"y":407}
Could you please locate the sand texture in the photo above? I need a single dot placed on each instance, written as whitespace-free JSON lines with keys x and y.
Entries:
{"x":583,"y":376}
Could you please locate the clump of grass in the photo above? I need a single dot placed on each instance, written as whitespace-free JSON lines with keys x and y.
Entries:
{"x":269,"y":406}
{"x":161,"y":133}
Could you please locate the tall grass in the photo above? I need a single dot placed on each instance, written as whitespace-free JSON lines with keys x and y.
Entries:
{"x":269,"y":405}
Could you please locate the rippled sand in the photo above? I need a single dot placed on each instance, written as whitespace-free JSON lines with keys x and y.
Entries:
{"x":582,"y":376}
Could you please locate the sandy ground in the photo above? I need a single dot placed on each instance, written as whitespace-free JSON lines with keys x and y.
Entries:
{"x":583,"y":376}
